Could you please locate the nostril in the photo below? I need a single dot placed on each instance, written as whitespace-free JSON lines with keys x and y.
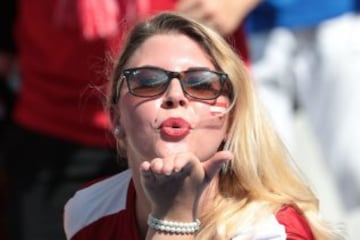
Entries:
{"x":182,"y":102}
{"x":169,"y":104}
{"x":172,"y":103}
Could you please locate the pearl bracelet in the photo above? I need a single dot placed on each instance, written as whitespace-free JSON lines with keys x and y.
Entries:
{"x":173,"y":227}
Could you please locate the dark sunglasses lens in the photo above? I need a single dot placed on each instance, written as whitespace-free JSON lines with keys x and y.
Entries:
{"x":202,"y":84}
{"x":147,"y":82}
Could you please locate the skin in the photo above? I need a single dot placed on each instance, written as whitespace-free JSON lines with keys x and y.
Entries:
{"x":223,"y":15}
{"x":171,"y":176}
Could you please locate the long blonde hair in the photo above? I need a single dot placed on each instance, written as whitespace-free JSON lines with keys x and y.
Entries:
{"x":261,"y":178}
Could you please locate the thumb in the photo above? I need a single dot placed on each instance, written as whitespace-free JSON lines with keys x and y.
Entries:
{"x":214,"y":164}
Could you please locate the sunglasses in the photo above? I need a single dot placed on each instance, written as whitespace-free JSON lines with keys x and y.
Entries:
{"x":198,"y":83}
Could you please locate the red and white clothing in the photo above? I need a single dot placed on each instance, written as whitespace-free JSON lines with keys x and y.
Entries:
{"x":106,"y":210}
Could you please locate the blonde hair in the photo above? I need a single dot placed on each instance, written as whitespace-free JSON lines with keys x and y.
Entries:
{"x":261,"y":178}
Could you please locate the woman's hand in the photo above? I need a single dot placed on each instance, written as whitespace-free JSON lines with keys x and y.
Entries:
{"x":174,"y":184}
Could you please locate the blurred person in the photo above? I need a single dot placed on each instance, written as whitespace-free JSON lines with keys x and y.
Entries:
{"x":7,"y":52}
{"x":7,"y":94}
{"x":305,"y":56}
{"x":204,"y":163}
{"x":225,"y":16}
{"x":58,"y":138}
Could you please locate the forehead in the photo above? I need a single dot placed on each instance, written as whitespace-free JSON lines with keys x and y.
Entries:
{"x":171,"y":51}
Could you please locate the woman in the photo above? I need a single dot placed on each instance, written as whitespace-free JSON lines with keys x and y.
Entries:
{"x":203,"y":160}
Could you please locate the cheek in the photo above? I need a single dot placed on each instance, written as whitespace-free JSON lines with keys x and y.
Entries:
{"x":137,"y":116}
{"x":211,"y":129}
{"x":213,"y":116}
{"x":136,"y":113}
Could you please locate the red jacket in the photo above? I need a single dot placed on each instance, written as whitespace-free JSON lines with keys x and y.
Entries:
{"x":105,"y":210}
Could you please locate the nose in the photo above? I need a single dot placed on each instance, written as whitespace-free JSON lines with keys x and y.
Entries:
{"x":174,"y":95}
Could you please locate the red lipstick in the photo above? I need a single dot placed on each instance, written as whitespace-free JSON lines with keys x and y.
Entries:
{"x":175,"y":128}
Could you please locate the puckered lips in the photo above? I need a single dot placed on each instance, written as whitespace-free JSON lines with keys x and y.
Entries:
{"x":175,"y":128}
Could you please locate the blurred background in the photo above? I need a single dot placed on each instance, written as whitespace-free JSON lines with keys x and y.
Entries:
{"x":54,"y":60}
{"x":309,"y":158}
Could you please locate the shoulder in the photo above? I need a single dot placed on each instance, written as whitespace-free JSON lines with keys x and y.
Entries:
{"x":95,"y":201}
{"x":287,"y":223}
{"x":295,"y":223}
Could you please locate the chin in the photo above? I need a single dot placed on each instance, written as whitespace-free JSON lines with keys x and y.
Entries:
{"x":165,"y":149}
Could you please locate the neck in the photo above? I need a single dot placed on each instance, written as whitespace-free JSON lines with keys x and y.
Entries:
{"x":142,"y":212}
{"x":142,"y":208}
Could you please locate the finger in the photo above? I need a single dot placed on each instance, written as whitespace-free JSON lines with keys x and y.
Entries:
{"x":214,"y":164}
{"x":156,"y":165}
{"x":145,"y":166}
{"x":184,"y":161}
{"x":146,"y":171}
{"x":168,"y":166}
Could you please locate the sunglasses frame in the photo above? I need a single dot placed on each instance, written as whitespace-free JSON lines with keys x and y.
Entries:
{"x":126,"y":73}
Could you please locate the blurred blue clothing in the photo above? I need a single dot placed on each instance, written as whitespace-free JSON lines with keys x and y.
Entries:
{"x":297,"y":14}
{"x":305,"y":54}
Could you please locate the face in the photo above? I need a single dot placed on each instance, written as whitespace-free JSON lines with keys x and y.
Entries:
{"x":172,"y":122}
